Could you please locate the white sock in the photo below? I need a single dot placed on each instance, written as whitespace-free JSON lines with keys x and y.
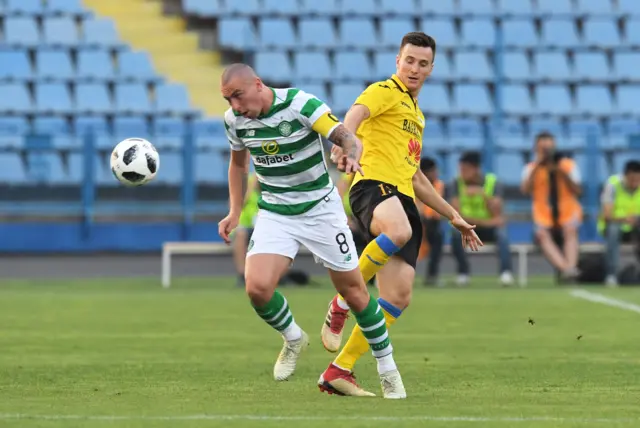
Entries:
{"x":342,"y":304}
{"x":292,"y":332}
{"x":386,"y":364}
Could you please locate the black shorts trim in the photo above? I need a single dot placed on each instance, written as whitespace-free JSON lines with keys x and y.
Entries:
{"x":366,"y":195}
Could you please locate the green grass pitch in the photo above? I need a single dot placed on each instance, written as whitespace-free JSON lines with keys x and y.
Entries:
{"x":127,"y":353}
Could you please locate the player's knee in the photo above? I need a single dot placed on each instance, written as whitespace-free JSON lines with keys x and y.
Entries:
{"x":259,"y":288}
{"x":569,"y":231}
{"x":399,"y":232}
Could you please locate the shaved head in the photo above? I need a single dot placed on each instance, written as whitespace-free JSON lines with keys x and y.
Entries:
{"x":244,"y":91}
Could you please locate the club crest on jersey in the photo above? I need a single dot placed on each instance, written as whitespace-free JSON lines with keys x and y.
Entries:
{"x":270,"y":147}
{"x":285,"y":129}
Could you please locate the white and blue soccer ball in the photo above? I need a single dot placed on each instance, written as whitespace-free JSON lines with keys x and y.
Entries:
{"x":135,"y":162}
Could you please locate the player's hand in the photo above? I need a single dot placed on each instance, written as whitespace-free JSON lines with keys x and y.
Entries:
{"x":336,"y":154}
{"x":469,"y":237}
{"x":227,"y":225}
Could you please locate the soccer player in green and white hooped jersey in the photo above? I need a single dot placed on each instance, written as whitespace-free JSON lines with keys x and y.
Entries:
{"x":299,"y":205}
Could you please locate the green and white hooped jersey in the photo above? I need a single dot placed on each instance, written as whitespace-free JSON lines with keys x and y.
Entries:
{"x":287,"y":153}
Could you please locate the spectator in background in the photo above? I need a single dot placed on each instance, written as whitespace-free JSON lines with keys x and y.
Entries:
{"x":431,"y":221}
{"x":554,"y":183}
{"x":620,"y":212}
{"x":478,"y":198}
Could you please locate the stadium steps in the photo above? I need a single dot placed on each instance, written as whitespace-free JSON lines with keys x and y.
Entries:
{"x":175,"y":51}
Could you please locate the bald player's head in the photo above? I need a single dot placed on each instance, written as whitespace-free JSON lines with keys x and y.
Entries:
{"x":244,"y":91}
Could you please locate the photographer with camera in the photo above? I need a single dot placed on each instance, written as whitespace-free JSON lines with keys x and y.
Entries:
{"x":553,"y":181}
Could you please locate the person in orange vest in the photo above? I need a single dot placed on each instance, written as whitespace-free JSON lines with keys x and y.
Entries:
{"x":554,"y":183}
{"x":433,"y":235}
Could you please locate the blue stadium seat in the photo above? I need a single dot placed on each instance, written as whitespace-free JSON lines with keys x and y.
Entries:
{"x":594,"y":100}
{"x":273,"y":67}
{"x":11,"y":169}
{"x":510,"y":135}
{"x":173,"y":98}
{"x":519,"y":32}
{"x":280,"y":7}
{"x":444,"y":28}
{"x":435,"y":99}
{"x":627,"y":97}
{"x":358,"y":33}
{"x":472,"y":99}
{"x":601,"y":172}
{"x":15,"y":98}
{"x":209,"y":133}
{"x":319,"y":90}
{"x":130,"y":127}
{"x":248,"y":7}
{"x":358,"y":7}
{"x":625,"y":66}
{"x":434,"y":138}
{"x":344,"y":95}
{"x":12,"y":131}
{"x":171,"y":168}
{"x":211,"y":168}
{"x":554,"y":7}
{"x":58,"y":128}
{"x":45,"y":167}
{"x":553,"y":126}
{"x":21,"y":31}
{"x":508,"y":167}
{"x":580,"y":129}
{"x":75,"y":170}
{"x":551,"y":65}
{"x":466,"y":134}
{"x":560,"y":33}
{"x":632,"y":27}
{"x":203,"y":8}
{"x":95,"y":126}
{"x":100,"y":32}
{"x":95,"y":65}
{"x":315,"y":7}
{"x":54,"y":65}
{"x":15,"y":65}
{"x":442,"y":69}
{"x":132,"y":98}
{"x":430,"y":7}
{"x":515,"y":8}
{"x":516,"y":99}
{"x":618,"y":131}
{"x":136,"y":66}
{"x":601,"y":33}
{"x":352,"y":66}
{"x":236,"y":33}
{"x":276,"y":33}
{"x":67,"y":7}
{"x":393,"y":29}
{"x":53,"y":98}
{"x":553,"y":99}
{"x":479,"y":33}
{"x":384,"y":64}
{"x":472,"y":66}
{"x":93,"y":98}
{"x":629,"y":7}
{"x":595,"y":7}
{"x":620,"y":159}
{"x":591,"y":66}
{"x":317,"y":33}
{"x":516,"y":66}
{"x":23,"y":7}
{"x":312,"y":66}
{"x":169,"y":132}
{"x":398,"y":7}
{"x":60,"y":31}
{"x":476,"y":7}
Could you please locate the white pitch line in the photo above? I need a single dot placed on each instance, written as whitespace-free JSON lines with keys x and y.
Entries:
{"x":425,"y":418}
{"x":600,"y":298}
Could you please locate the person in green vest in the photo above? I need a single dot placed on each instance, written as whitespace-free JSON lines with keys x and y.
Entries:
{"x":478,"y":198}
{"x":245,"y":226}
{"x":620,"y":213}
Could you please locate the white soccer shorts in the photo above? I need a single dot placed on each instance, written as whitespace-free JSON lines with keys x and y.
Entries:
{"x":323,"y":230}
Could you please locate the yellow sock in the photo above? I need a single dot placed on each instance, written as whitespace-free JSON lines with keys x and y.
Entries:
{"x":357,"y":344}
{"x":375,"y":255}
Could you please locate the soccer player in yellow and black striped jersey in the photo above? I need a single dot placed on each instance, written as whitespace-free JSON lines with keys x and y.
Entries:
{"x":387,"y":119}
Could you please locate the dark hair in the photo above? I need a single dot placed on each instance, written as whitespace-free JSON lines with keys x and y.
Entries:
{"x":420,"y":39}
{"x":427,"y":164}
{"x":471,"y":158}
{"x":631,"y":167}
{"x":544,"y":135}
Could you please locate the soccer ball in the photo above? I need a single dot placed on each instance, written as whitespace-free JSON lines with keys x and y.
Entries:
{"x":135,"y":162}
